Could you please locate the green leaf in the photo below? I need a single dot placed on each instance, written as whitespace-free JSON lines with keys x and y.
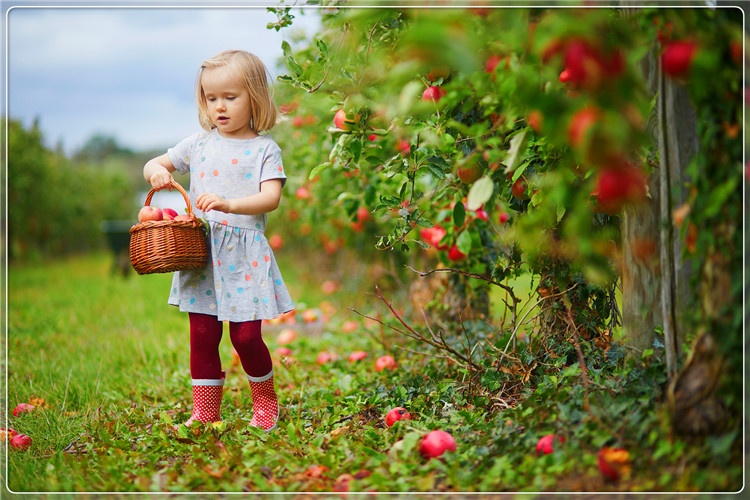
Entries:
{"x":459,"y":214}
{"x":480,"y":193}
{"x":517,"y":144}
{"x":464,"y":242}
{"x":317,"y":170}
{"x":355,"y":147}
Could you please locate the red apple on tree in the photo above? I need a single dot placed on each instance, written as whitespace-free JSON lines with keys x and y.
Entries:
{"x":341,"y":121}
{"x":677,"y":57}
{"x":435,"y":443}
{"x":519,"y":189}
{"x":581,"y":123}
{"x":433,"y":93}
{"x":276,"y":241}
{"x":396,"y":414}
{"x":455,"y":254}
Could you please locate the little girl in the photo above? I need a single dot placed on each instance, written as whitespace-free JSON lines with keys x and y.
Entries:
{"x":236,"y":178}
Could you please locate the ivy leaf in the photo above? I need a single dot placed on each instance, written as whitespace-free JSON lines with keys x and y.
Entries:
{"x":480,"y":193}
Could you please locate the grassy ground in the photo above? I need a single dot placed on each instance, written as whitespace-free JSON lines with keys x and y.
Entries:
{"x":106,"y":361}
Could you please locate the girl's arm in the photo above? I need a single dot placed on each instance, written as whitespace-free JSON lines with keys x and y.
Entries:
{"x":266,"y":201}
{"x":158,"y":172}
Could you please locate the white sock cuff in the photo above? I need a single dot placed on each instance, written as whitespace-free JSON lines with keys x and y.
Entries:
{"x":208,"y":381}
{"x":260,"y":379}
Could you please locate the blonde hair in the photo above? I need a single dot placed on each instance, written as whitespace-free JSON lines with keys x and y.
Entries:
{"x":256,"y":79}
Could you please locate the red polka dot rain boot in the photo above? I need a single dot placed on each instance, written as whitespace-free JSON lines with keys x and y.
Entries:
{"x":206,"y":400}
{"x":265,"y":402}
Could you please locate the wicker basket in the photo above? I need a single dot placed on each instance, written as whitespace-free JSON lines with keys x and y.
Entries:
{"x":165,"y":246}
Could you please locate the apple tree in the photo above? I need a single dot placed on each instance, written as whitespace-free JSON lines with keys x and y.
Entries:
{"x":494,"y":143}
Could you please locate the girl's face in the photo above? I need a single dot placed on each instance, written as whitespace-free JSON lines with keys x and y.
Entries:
{"x":228,"y":102}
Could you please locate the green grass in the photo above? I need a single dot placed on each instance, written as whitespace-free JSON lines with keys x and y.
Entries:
{"x":110,"y":360}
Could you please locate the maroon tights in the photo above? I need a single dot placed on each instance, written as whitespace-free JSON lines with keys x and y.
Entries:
{"x":205,"y":336}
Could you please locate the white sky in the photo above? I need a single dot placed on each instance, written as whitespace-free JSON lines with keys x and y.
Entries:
{"x":126,"y":72}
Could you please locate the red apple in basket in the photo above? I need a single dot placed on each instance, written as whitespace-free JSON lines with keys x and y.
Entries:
{"x":183,"y":217}
{"x":150,"y":213}
{"x":169,"y":213}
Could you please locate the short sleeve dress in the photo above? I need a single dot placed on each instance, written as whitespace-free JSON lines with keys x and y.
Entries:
{"x":241,"y":280}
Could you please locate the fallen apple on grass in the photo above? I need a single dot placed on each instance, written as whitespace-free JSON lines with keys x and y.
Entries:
{"x":435,"y":443}
{"x":396,"y":414}
{"x":20,"y":442}
{"x":614,"y":463}
{"x":357,"y":356}
{"x":6,"y":434}
{"x":23,"y":408}
{"x":385,"y":363}
{"x":286,"y":336}
{"x":545,"y":444}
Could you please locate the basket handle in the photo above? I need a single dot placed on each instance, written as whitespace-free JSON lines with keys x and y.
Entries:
{"x":179,"y":188}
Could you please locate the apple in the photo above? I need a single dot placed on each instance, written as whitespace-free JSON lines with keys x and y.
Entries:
{"x":564,"y":76}
{"x":519,"y":188}
{"x":20,"y":442}
{"x":357,"y":356}
{"x":581,"y":123}
{"x":329,"y":286}
{"x":435,"y":443}
{"x":284,"y":351}
{"x":403,"y":147}
{"x":469,"y":172}
{"x":433,"y":93}
{"x":433,"y":236}
{"x":286,"y":336}
{"x":184,"y":218}
{"x":385,"y":363}
{"x":677,"y":57}
{"x":614,"y":463}
{"x":342,"y":121}
{"x":349,"y":326}
{"x":310,"y":315}
{"x":455,"y":254}
{"x":325,"y":357}
{"x":23,"y":408}
{"x":302,"y":193}
{"x":148,"y":213}
{"x":6,"y":434}
{"x":503,"y":217}
{"x":169,"y":213}
{"x":534,"y":120}
{"x":396,"y":414}
{"x":617,"y":186}
{"x":491,"y":63}
{"x":276,"y":241}
{"x":363,"y":215}
{"x":545,"y":444}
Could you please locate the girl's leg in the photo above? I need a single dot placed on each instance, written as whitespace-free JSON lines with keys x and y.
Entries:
{"x":256,"y":361}
{"x":205,"y":367}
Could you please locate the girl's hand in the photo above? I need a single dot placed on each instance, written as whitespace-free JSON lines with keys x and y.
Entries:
{"x":210,"y":201}
{"x":161,"y":179}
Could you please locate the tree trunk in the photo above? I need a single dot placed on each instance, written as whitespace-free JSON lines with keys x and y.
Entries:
{"x":654,"y":276}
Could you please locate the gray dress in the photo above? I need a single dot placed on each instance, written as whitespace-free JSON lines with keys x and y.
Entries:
{"x":241,"y":280}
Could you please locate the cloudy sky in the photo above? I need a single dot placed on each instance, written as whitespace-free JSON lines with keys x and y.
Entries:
{"x":126,"y":72}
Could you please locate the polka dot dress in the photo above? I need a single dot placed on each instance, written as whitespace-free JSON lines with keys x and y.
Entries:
{"x":241,"y":280}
